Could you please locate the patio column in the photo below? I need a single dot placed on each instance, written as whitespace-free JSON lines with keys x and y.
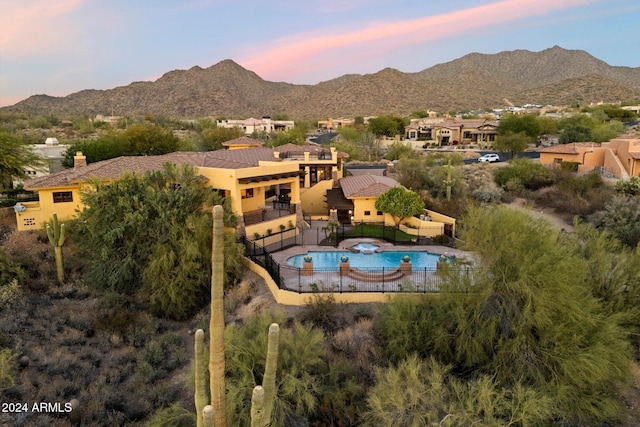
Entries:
{"x":307,"y":177}
{"x":299,"y":217}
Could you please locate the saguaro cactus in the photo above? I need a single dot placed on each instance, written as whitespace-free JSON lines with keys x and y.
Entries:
{"x":216,"y":322}
{"x":56,"y":238}
{"x":263,"y":396}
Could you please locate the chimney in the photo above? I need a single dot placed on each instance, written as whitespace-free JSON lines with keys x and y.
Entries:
{"x":79,"y":160}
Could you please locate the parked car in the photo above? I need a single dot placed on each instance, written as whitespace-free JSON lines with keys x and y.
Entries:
{"x":492,"y":157}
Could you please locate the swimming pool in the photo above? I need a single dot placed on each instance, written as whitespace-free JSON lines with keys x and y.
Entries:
{"x":386,"y":259}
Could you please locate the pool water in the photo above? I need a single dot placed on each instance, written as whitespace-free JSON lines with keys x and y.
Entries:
{"x":365,"y":247}
{"x":387,"y":259}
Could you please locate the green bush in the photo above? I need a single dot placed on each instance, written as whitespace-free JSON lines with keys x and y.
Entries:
{"x":523,"y":172}
{"x":570,"y":166}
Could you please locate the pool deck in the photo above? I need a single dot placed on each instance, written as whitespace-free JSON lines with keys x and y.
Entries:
{"x":294,"y":281}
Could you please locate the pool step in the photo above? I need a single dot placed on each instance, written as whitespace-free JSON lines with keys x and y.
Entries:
{"x":387,"y":276}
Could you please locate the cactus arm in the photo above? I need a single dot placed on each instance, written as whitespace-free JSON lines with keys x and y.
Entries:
{"x":257,"y":407}
{"x":62,"y":235}
{"x":200,"y":380}
{"x":50,"y":235}
{"x":207,"y":416}
{"x":271,"y":365}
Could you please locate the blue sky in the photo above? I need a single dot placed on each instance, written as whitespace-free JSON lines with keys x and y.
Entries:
{"x":64,"y":46}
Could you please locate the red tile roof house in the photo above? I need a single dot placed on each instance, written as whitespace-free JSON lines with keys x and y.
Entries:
{"x":354,"y":201}
{"x":619,"y":157}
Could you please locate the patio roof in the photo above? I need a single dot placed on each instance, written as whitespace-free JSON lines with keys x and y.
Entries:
{"x":336,"y":199}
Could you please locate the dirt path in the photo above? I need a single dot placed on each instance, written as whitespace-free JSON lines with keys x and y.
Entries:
{"x":560,"y":221}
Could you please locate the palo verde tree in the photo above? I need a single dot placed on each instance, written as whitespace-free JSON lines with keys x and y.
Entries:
{"x":528,"y":318}
{"x":15,"y":155}
{"x":400,"y":203}
{"x":151,"y":233}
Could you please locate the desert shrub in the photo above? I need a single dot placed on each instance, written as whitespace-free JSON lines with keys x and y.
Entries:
{"x":300,"y":368}
{"x":580,"y":195}
{"x":11,"y":270}
{"x":441,"y":239}
{"x":172,"y":416}
{"x":323,"y":312}
{"x":621,"y":218}
{"x":525,"y":172}
{"x":488,"y":194}
{"x":570,"y":166}
{"x":629,"y":187}
{"x":8,"y":368}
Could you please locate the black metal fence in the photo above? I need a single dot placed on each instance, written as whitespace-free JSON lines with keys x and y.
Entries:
{"x":385,"y":280}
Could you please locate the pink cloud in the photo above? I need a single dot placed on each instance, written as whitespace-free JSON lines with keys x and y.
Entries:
{"x":294,"y":56}
{"x":35,"y":26}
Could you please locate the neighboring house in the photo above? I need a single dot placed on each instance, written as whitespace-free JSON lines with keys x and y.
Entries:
{"x":252,"y":125}
{"x":53,"y":154}
{"x":354,"y":201}
{"x":331,"y":125}
{"x":619,"y":157}
{"x":446,"y":131}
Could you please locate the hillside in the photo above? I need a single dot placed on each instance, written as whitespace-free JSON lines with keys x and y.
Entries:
{"x":552,"y":76}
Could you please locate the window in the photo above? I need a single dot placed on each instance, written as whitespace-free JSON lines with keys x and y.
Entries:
{"x":367,"y":213}
{"x":379,"y":213}
{"x":62,"y":197}
{"x":557,"y":161}
{"x":247,"y":193}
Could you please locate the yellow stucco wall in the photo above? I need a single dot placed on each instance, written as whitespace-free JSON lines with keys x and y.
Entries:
{"x":313,"y":199}
{"x":360,"y":205}
{"x":37,"y":213}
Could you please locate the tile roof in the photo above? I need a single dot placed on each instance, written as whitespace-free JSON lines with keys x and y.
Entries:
{"x":115,"y":168}
{"x":366,"y":185}
{"x":571,"y":148}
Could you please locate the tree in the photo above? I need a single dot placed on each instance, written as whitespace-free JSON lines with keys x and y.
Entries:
{"x":513,"y":143}
{"x":527,"y":318}
{"x":575,"y":133}
{"x":424,"y":392}
{"x":516,"y":123}
{"x":399,"y":150}
{"x":400,"y":203}
{"x":150,"y":233}
{"x":386,"y":126}
{"x":213,"y":137}
{"x":300,"y":368}
{"x":15,"y":155}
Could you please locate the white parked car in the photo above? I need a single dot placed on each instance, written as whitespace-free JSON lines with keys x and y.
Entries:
{"x":489,"y":158}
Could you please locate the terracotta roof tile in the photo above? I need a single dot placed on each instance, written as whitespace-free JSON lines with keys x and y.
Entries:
{"x":571,"y":148}
{"x":366,"y":185}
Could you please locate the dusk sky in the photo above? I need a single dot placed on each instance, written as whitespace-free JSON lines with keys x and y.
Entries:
{"x":58,"y":47}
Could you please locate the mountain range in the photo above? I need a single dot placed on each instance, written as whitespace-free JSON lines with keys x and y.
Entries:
{"x":554,"y":76}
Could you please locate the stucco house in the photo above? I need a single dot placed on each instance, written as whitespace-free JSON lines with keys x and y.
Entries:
{"x":353,"y":201}
{"x":266,"y":185}
{"x":52,"y":152}
{"x":441,"y":131}
{"x":619,"y":157}
{"x":251,"y":125}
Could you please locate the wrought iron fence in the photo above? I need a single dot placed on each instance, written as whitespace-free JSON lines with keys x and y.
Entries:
{"x":391,"y":280}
